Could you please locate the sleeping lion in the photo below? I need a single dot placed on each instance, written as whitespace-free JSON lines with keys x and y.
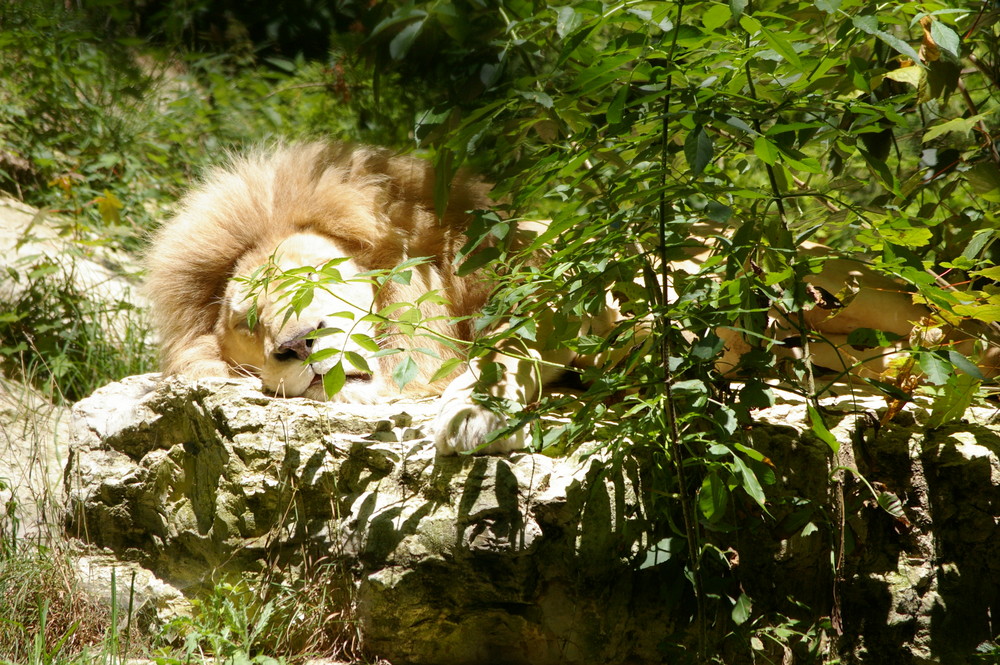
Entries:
{"x":363,"y":209}
{"x":307,"y":205}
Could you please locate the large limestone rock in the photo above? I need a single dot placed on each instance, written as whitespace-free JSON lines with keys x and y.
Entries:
{"x":528,"y":559}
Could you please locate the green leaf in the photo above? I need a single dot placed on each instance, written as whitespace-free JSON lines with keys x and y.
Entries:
{"x":713,"y":498}
{"x":867,"y":338}
{"x":828,"y":6}
{"x":405,"y":372}
{"x":913,"y":75}
{"x":663,"y":551}
{"x":937,"y":369}
{"x":869,"y":24}
{"x":953,"y":401}
{"x":698,"y":150}
{"x":742,"y":608}
{"x":301,"y":299}
{"x":323,"y":354}
{"x":538,"y":97}
{"x":357,"y":361}
{"x":892,"y":391}
{"x":750,"y":483}
{"x":946,"y":39}
{"x":756,"y":395}
{"x":365,"y":342}
{"x":726,"y":419}
{"x":891,"y":504}
{"x":820,"y":430}
{"x":782,"y":46}
{"x":985,"y":180}
{"x":567,"y":20}
{"x":963,"y":364}
{"x":766,"y":151}
{"x":986,"y":312}
{"x":716,"y":16}
{"x":617,"y":106}
{"x":402,"y":276}
{"x":401,"y":43}
{"x":446,"y":368}
{"x":993,"y":272}
{"x":334,"y":380}
{"x":478,"y":260}
{"x":962,"y":125}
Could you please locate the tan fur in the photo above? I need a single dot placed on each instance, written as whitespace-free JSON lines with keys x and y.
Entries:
{"x":377,"y":207}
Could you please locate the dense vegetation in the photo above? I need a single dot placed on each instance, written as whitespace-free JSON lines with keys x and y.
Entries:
{"x":643,"y":130}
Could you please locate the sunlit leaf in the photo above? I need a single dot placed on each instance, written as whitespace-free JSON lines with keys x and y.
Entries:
{"x":405,"y":372}
{"x":766,"y":151}
{"x":365,"y":342}
{"x":110,"y":207}
{"x":820,"y":430}
{"x":946,"y":39}
{"x":936,"y":368}
{"x":716,"y":16}
{"x":750,"y":484}
{"x":953,"y":401}
{"x":912,"y":75}
{"x":963,"y":125}
{"x":357,"y":361}
{"x":334,"y":380}
{"x":448,"y":366}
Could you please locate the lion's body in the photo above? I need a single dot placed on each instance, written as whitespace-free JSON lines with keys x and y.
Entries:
{"x":306,"y":205}
{"x":364,"y":203}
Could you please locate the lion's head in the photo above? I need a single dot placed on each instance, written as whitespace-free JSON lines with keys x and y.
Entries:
{"x":306,"y":205}
{"x":276,"y":343}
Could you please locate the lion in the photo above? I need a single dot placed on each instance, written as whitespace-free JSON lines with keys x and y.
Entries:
{"x":363,"y":209}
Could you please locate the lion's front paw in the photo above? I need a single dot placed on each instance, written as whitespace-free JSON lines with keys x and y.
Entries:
{"x":464,"y":426}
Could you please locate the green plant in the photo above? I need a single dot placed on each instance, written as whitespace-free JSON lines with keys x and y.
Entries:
{"x":227,"y":625}
{"x":55,"y":336}
{"x":649,"y":132}
{"x":46,"y":616}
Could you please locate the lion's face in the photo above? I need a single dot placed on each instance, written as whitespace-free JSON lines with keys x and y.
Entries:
{"x":277,"y":348}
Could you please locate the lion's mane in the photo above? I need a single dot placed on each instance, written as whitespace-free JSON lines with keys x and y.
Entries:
{"x":376,"y":205}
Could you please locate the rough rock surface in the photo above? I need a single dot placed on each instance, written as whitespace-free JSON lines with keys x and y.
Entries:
{"x":528,"y":559}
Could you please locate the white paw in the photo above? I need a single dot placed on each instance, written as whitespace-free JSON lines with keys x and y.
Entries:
{"x":463,"y":426}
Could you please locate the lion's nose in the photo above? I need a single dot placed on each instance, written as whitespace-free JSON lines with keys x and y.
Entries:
{"x":296,"y":349}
